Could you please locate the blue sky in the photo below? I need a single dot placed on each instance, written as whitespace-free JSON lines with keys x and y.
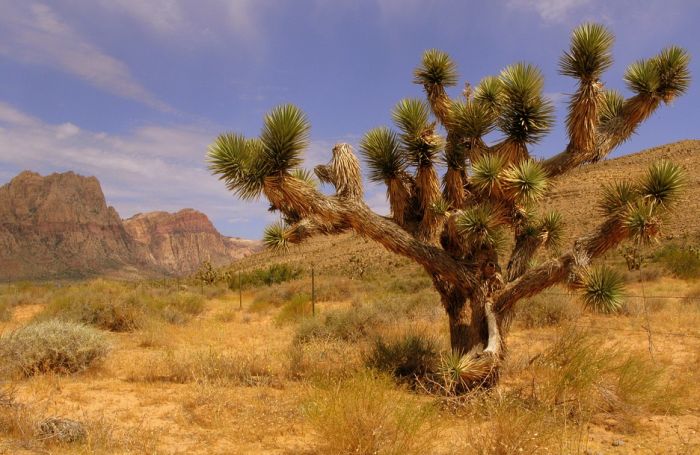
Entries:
{"x":133,"y":91}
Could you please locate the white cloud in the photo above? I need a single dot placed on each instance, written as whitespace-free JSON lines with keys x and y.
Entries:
{"x":34,"y":33}
{"x":12,"y":116}
{"x":150,"y":168}
{"x":550,"y":10}
{"x":189,"y":23}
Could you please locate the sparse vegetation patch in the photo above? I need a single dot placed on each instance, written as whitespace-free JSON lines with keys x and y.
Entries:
{"x":51,"y":346}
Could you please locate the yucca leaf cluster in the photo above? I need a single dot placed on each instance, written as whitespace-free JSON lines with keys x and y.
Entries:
{"x":244,"y":163}
{"x":640,"y":205}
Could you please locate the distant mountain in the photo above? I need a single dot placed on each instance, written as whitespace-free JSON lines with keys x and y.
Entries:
{"x":59,"y":226}
{"x":179,"y":242}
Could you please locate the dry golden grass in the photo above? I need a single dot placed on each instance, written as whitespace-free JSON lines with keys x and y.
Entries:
{"x":230,"y":381}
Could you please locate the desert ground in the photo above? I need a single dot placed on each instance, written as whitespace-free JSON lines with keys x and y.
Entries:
{"x":183,"y":369}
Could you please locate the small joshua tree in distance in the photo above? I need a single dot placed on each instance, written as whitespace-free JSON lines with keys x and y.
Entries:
{"x":456,"y":226}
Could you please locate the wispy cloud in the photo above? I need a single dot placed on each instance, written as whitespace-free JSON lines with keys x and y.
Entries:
{"x":550,"y":10}
{"x":34,"y":33}
{"x":150,"y":168}
{"x":191,"y":23}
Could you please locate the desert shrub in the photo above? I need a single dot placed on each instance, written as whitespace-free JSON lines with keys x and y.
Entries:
{"x":574,"y":367}
{"x":322,"y":359}
{"x":692,"y":297}
{"x":546,"y":310}
{"x":639,"y":383}
{"x":275,"y":274}
{"x":583,"y":375}
{"x":338,"y":288}
{"x":51,"y":346}
{"x":109,"y":306}
{"x":419,"y":304}
{"x":16,"y":419}
{"x":407,"y":356}
{"x":506,"y":424}
{"x":409,"y":284}
{"x":5,"y":309}
{"x":206,"y":366}
{"x":177,"y":307}
{"x":297,"y":308}
{"x":350,"y":325}
{"x":275,"y":296}
{"x":683,"y":262}
{"x":366,"y":415}
{"x":119,"y":307}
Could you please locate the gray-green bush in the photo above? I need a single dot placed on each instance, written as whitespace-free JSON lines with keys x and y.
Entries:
{"x":51,"y":346}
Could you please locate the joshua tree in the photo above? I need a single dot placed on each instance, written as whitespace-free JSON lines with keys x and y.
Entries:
{"x":457,"y":231}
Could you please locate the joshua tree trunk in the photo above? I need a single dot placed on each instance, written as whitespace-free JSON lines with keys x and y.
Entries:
{"x":456,"y":234}
{"x":468,"y":329}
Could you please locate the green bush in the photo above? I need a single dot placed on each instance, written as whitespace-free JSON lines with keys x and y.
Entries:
{"x":275,"y":274}
{"x":683,"y":262}
{"x":51,"y":346}
{"x":408,"y":356}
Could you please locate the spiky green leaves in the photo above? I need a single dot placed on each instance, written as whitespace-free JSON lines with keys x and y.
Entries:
{"x":275,"y":237}
{"x":480,"y":226}
{"x":526,"y":181}
{"x":552,"y":230}
{"x":642,"y":221}
{"x":244,"y":163}
{"x":381,"y":149}
{"x":489,"y":93}
{"x":471,"y":119}
{"x":610,"y":106}
{"x":285,"y":135}
{"x":616,"y":197}
{"x":640,"y":206}
{"x":487,"y":174}
{"x":662,"y":183}
{"x":305,"y":176}
{"x":525,"y":115}
{"x":641,"y":77}
{"x":665,"y":75}
{"x":234,"y":159}
{"x":603,"y":289}
{"x":589,"y":55}
{"x":420,"y":142}
{"x":436,"y":68}
{"x":673,"y":74}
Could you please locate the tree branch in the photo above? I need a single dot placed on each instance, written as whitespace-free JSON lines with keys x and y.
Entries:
{"x":295,"y":197}
{"x":609,"y":135}
{"x":563,"y":268}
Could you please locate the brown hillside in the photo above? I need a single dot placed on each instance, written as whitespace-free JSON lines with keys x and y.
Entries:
{"x":575,"y":196}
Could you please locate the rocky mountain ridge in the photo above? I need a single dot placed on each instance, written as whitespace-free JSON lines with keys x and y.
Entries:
{"x":59,"y":226}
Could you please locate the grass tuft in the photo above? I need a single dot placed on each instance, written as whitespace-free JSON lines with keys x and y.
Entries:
{"x":367,"y":415}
